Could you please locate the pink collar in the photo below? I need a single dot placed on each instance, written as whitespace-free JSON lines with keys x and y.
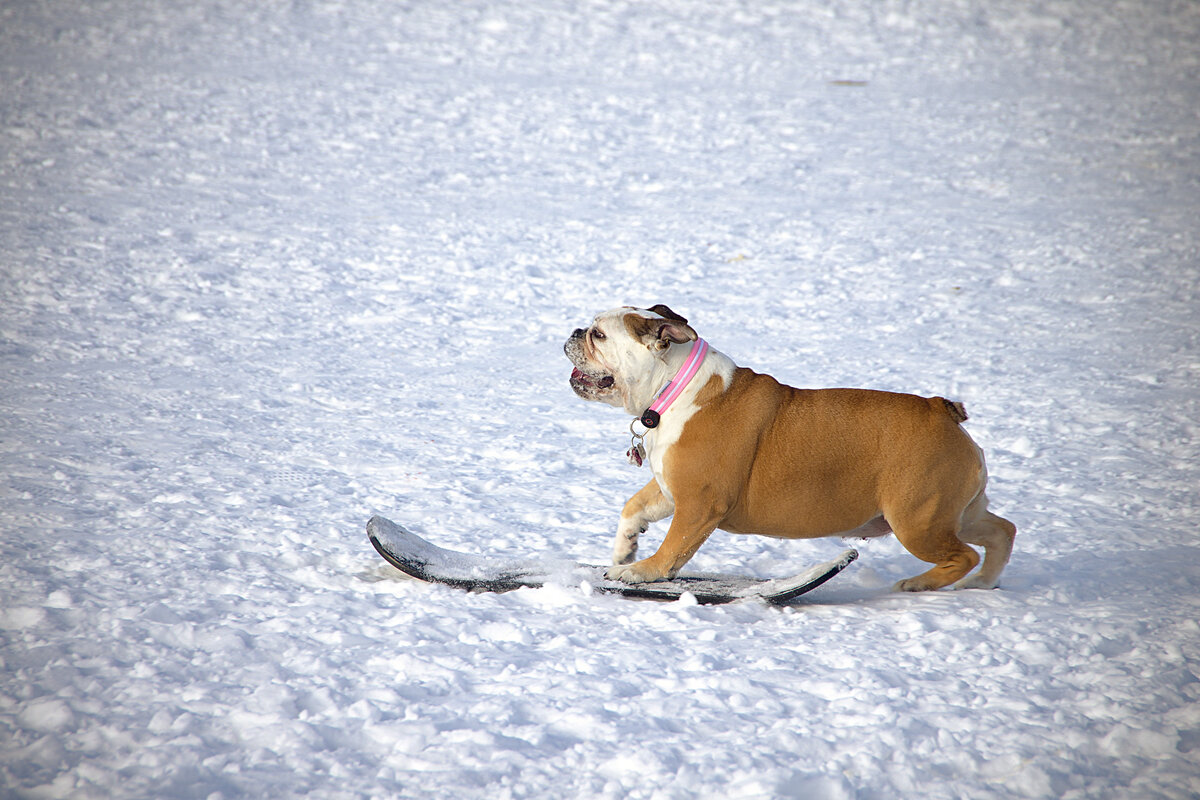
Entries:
{"x":671,"y":392}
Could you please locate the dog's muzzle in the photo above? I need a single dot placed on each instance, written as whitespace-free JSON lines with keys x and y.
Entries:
{"x":588,"y":382}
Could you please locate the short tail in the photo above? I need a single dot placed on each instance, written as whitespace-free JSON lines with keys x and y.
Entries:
{"x":956,"y":410}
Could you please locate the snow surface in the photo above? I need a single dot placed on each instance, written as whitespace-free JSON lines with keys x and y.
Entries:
{"x":271,"y":267}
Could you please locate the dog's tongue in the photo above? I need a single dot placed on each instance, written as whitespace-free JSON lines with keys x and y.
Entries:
{"x":576,"y":375}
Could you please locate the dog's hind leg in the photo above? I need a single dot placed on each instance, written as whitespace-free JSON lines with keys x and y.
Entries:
{"x":995,"y":535}
{"x":930,"y":534}
{"x":952,"y":564}
{"x":647,"y":506}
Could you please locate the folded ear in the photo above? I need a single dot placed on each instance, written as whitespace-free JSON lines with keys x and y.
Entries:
{"x":678,"y":332}
{"x":675,"y":329}
{"x":667,"y":313}
{"x":658,"y":334}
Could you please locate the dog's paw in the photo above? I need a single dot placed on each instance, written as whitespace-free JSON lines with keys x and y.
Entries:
{"x":975,"y":581}
{"x":912,"y":585}
{"x":625,"y":546}
{"x":624,"y":551}
{"x":621,"y":559}
{"x":637,"y":572}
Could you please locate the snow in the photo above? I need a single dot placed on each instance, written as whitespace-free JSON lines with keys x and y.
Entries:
{"x":269,"y":268}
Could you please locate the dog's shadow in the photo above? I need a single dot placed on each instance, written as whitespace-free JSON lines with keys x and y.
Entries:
{"x":1061,"y":580}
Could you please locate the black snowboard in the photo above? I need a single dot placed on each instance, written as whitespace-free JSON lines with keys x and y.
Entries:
{"x":414,"y":556}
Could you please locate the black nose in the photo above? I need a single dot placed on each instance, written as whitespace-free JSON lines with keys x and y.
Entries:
{"x":579,"y":333}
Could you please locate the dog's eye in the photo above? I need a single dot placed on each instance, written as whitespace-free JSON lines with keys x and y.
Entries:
{"x":598,"y":335}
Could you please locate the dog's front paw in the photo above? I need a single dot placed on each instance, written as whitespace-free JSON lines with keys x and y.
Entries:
{"x":625,"y":546}
{"x":623,"y":558}
{"x":637,"y":572}
{"x":624,"y":550}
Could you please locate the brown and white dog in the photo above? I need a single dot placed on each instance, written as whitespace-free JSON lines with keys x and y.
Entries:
{"x":742,"y":452}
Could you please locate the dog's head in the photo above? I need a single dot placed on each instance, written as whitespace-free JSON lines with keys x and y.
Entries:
{"x":622,"y":358}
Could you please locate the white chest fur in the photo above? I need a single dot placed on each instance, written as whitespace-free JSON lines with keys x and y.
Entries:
{"x":659,"y":441}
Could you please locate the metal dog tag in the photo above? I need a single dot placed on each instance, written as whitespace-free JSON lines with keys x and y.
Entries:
{"x":636,"y":454}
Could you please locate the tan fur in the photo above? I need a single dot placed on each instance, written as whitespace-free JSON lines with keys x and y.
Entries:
{"x":801,"y":464}
{"x":758,"y":457}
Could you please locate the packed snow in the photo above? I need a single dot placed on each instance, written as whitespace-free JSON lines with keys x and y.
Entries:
{"x":269,"y":268}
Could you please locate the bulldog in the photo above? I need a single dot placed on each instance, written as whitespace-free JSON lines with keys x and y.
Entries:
{"x":734,"y":449}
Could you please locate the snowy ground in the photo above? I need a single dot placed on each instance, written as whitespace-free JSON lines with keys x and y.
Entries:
{"x":270,"y":267}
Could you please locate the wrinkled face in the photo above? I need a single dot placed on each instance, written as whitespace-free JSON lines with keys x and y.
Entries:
{"x":595,"y":356}
{"x":619,"y":359}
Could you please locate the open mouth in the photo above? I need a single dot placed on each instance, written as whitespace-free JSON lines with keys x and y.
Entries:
{"x":582,"y":379}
